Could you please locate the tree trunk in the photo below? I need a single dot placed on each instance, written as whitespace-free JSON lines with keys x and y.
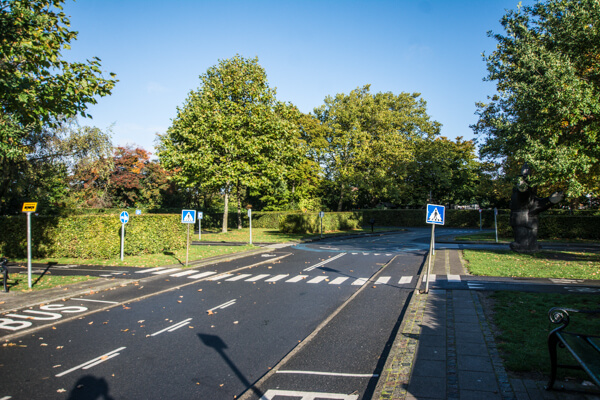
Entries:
{"x":341,"y":202}
{"x":226,"y":212}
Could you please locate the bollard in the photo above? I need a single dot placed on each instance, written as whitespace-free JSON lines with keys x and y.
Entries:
{"x":3,"y":262}
{"x":372,"y":222}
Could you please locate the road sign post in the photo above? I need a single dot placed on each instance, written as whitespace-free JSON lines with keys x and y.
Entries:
{"x":321,"y":215}
{"x":435,"y":216}
{"x":200,"y":216}
{"x":480,"y":220}
{"x":496,"y":222}
{"x":124,"y":216}
{"x":29,"y":208}
{"x":250,"y":220}
{"x":188,"y":217}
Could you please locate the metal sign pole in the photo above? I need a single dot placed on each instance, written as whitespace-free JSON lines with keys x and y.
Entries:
{"x":496,"y":223}
{"x":122,"y":240}
{"x":431,"y":245}
{"x":29,"y":249}
{"x":200,"y":229}
{"x":187,"y":247}
{"x":250,"y":219}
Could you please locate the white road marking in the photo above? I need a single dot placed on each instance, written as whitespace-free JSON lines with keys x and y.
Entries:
{"x":184,"y":273}
{"x":324,"y":262}
{"x":202,"y":275}
{"x":239,"y":277}
{"x":566,"y":281}
{"x":224,"y":305}
{"x":318,"y":279}
{"x":271,"y":394}
{"x":166,"y":271}
{"x":257,"y":277}
{"x":145,"y":271}
{"x":453,"y":278}
{"x":94,"y":362}
{"x":328,"y":374}
{"x":94,"y":301}
{"x":405,"y":279}
{"x":338,"y":281}
{"x":297,"y":278}
{"x":383,"y":280}
{"x":218,"y":277}
{"x":277,"y":278}
{"x":360,"y":281}
{"x":6,"y":398}
{"x":431,"y":278}
{"x":173,"y":327}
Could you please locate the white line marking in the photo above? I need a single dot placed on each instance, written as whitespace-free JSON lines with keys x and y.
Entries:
{"x":318,"y":279}
{"x":338,"y":281}
{"x":145,"y":271}
{"x":360,"y":281}
{"x":93,"y":362}
{"x":271,"y":394}
{"x":202,"y":275}
{"x":431,"y":278}
{"x":328,"y":374}
{"x":166,"y":271}
{"x":6,"y":398}
{"x":237,"y":278}
{"x":257,"y":277}
{"x":277,"y":278}
{"x":184,"y":273}
{"x":297,"y":278}
{"x":107,"y":276}
{"x":173,"y":327}
{"x":453,"y":278}
{"x":405,"y":280}
{"x":383,"y":280}
{"x":94,"y":301}
{"x":218,"y":277}
{"x":224,"y":305}
{"x":324,"y":262}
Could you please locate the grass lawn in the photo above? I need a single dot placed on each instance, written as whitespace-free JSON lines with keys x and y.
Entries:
{"x":545,"y":264}
{"x":523,"y":326}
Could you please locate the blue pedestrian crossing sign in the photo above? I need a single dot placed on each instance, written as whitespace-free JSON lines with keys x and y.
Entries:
{"x":435,"y":214}
{"x":124,"y":217}
{"x":188,"y":216}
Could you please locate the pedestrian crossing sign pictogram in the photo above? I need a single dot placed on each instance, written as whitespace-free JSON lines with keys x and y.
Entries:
{"x":435,"y":214}
{"x":188,"y":216}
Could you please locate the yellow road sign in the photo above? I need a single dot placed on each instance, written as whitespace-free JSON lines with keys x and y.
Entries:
{"x":29,"y":207}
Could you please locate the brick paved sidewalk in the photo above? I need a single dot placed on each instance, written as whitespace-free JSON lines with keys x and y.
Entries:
{"x":445,"y":350}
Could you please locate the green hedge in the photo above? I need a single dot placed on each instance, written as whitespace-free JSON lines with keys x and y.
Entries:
{"x":558,"y":227}
{"x":91,"y":236}
{"x":311,"y":223}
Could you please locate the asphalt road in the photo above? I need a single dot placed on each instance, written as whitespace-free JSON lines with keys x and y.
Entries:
{"x":301,"y":321}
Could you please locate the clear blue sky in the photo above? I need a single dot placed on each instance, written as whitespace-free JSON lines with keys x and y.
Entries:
{"x":309,"y":49}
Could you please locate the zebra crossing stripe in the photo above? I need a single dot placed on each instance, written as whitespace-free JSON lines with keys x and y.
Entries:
{"x":219,"y":277}
{"x":184,"y":273}
{"x":145,"y":271}
{"x":239,"y":277}
{"x":383,"y":280}
{"x":318,"y":279}
{"x":453,"y":278}
{"x":257,"y":278}
{"x":360,"y":281}
{"x":297,"y":278}
{"x":166,"y":271}
{"x":405,"y":279}
{"x":324,"y":262}
{"x":202,"y":275}
{"x":277,"y":278}
{"x":338,"y":281}
{"x":431,"y":278}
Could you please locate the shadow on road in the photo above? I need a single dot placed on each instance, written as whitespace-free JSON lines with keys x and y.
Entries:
{"x":90,"y":388}
{"x":219,"y":345}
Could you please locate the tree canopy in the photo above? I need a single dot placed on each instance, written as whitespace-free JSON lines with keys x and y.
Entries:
{"x":231,"y":132}
{"x":38,"y":88}
{"x":547,"y":107}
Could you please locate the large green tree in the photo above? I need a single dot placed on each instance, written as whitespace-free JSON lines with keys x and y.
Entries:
{"x":38,"y":88}
{"x":231,"y":133}
{"x":547,"y":107}
{"x":368,"y":141}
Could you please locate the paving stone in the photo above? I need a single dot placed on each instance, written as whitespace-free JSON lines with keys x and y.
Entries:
{"x":432,"y":353}
{"x":483,"y":381}
{"x":477,"y":395}
{"x":475,"y":363}
{"x":435,"y":368}
{"x":427,"y":387}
